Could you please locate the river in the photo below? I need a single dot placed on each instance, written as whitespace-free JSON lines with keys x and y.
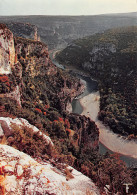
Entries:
{"x":88,"y":104}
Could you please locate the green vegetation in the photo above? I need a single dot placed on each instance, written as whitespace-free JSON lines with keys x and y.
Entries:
{"x":110,"y":57}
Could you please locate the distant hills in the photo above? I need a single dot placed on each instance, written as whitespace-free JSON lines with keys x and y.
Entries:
{"x":58,"y":31}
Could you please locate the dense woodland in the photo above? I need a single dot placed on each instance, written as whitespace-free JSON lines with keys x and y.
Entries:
{"x":111,"y":59}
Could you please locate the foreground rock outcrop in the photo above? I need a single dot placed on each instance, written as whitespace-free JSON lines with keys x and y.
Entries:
{"x":20,"y":174}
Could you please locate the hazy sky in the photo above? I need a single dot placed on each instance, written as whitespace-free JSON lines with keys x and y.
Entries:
{"x":66,"y":7}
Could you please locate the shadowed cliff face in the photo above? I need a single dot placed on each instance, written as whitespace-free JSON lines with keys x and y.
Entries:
{"x":87,"y":138}
{"x":24,"y":30}
{"x":7,"y":50}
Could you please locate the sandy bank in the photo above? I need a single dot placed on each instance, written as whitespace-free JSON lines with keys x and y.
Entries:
{"x":113,"y":142}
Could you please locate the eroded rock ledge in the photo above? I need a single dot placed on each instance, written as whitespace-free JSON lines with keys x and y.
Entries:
{"x":20,"y":174}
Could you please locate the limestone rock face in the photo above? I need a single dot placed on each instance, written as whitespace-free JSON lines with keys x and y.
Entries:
{"x":7,"y":50}
{"x":34,"y":57}
{"x":20,"y":174}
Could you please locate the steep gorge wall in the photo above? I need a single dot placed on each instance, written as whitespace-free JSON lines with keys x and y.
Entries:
{"x":33,"y":56}
{"x":9,"y":84}
{"x":42,"y":92}
{"x":31,"y":60}
{"x":88,"y":139}
{"x":7,"y":50}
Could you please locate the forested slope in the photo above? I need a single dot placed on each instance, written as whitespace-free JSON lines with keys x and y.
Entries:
{"x":110,"y":57}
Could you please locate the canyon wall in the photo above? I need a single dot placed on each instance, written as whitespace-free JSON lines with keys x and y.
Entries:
{"x":34,"y":95}
{"x":7,"y":50}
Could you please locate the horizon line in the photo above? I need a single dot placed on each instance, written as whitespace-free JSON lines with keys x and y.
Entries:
{"x":112,"y":13}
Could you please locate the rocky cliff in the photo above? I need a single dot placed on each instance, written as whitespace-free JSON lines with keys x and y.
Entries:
{"x":34,"y":95}
{"x":20,"y":174}
{"x":34,"y":56}
{"x":7,"y":50}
